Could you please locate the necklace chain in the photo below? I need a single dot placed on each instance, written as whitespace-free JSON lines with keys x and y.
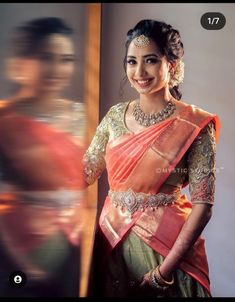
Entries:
{"x":54,"y":115}
{"x":146,"y":119}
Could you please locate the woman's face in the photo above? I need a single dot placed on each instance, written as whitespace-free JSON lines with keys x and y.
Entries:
{"x":146,"y":69}
{"x":51,"y":69}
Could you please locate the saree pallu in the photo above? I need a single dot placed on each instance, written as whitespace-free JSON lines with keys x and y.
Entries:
{"x":41,"y":214}
{"x":141,"y":163}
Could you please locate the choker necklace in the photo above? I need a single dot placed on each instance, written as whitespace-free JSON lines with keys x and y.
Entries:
{"x":146,"y":119}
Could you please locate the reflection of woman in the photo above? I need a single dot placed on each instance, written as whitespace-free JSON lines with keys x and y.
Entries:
{"x":149,"y":233}
{"x":41,"y":171}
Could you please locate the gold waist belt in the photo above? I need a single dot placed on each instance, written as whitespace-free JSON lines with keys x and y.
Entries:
{"x":132,"y":201}
{"x":61,"y":198}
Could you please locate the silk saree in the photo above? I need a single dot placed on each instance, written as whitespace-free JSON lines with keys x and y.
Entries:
{"x":157,"y":161}
{"x":41,"y":202}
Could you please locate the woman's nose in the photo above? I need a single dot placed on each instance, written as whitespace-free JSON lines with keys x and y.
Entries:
{"x":56,"y":68}
{"x":140,"y":70}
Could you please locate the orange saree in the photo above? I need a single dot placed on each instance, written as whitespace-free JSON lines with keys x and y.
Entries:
{"x":140,"y":164}
{"x":41,"y":193}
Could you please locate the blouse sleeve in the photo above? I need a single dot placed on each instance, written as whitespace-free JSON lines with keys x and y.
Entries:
{"x":202,"y":166}
{"x":78,"y":119}
{"x":94,"y":162}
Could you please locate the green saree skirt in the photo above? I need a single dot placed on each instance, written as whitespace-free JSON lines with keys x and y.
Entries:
{"x":120,"y":273}
{"x":58,"y":258}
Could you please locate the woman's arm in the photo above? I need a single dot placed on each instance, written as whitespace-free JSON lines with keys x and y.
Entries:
{"x":94,"y":162}
{"x":202,"y":170}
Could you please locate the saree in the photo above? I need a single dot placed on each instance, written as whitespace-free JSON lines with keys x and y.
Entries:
{"x":140,"y":164}
{"x":41,"y":201}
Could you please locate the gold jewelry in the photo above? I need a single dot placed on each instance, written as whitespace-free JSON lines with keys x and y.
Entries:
{"x":146,"y":119}
{"x":154,"y":282}
{"x":141,"y":41}
{"x":54,"y":116}
{"x":160,"y":279}
{"x":131,"y":201}
{"x":177,"y":74}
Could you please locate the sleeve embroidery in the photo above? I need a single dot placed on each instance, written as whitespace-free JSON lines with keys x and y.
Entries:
{"x":201,"y":166}
{"x":94,"y":162}
{"x":78,"y":119}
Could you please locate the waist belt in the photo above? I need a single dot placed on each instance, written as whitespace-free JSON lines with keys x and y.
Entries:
{"x":132,"y":201}
{"x":58,"y":199}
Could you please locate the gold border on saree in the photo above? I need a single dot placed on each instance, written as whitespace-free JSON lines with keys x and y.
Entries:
{"x":132,"y":201}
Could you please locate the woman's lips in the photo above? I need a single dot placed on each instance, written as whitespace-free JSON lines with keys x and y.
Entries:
{"x":144,"y":83}
{"x":53,"y":80}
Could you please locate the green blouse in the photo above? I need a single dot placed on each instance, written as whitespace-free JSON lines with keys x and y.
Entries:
{"x":197,"y":167}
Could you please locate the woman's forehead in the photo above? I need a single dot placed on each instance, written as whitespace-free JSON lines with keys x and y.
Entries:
{"x":149,"y":48}
{"x":58,"y":42}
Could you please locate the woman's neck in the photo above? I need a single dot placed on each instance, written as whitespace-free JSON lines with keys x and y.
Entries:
{"x":41,"y":102}
{"x":155,"y":102}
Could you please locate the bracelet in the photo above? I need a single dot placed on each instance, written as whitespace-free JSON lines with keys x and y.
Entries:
{"x":160,"y":279}
{"x":154,"y":282}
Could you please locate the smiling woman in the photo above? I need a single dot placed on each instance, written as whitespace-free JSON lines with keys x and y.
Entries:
{"x":42,"y":62}
{"x":57,"y":62}
{"x":148,"y":240}
{"x":41,"y":149}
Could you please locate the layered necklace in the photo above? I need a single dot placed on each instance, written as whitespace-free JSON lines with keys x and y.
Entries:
{"x":146,"y":119}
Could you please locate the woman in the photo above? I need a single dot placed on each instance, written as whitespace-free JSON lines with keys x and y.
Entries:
{"x":148,"y":241}
{"x":41,"y":150}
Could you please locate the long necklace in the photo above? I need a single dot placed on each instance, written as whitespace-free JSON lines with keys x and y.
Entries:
{"x":146,"y":119}
{"x":54,"y":116}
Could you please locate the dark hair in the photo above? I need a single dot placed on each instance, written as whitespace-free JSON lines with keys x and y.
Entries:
{"x":167,"y":39}
{"x":29,"y":37}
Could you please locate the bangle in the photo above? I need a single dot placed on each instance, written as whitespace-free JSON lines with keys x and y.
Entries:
{"x":154,"y":282}
{"x":160,"y":279}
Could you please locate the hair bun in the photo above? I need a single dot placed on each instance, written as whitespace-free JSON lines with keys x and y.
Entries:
{"x":130,"y":32}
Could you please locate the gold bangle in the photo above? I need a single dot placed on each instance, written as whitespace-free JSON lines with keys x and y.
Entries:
{"x":154,"y":282}
{"x":161,"y":279}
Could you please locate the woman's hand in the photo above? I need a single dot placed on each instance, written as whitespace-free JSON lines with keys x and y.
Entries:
{"x":146,"y":280}
{"x":154,"y":279}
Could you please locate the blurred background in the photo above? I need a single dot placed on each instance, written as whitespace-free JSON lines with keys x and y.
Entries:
{"x":76,"y":15}
{"x":13,"y":14}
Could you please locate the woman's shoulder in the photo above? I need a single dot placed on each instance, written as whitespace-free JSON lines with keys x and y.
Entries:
{"x":117,"y":110}
{"x":74,"y":108}
{"x":118,"y":107}
{"x":200,"y":116}
{"x":196,"y":109}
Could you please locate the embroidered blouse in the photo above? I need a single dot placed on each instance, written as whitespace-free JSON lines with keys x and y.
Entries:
{"x":196,"y":167}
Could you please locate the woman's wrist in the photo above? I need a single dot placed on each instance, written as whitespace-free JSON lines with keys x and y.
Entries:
{"x":164,"y":279}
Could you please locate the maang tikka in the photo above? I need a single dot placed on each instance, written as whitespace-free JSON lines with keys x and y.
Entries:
{"x":141,"y":41}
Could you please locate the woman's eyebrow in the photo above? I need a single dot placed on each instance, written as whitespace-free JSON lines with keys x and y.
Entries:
{"x":148,"y":55}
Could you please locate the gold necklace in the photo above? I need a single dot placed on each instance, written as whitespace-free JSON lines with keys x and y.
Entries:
{"x":146,"y":119}
{"x":54,"y":116}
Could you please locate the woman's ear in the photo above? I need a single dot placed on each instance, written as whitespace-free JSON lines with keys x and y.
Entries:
{"x":172,"y":66}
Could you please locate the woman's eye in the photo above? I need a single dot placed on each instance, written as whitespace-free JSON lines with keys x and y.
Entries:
{"x":152,"y":61}
{"x":45,"y":57}
{"x":68,"y":59}
{"x":131,"y":62}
